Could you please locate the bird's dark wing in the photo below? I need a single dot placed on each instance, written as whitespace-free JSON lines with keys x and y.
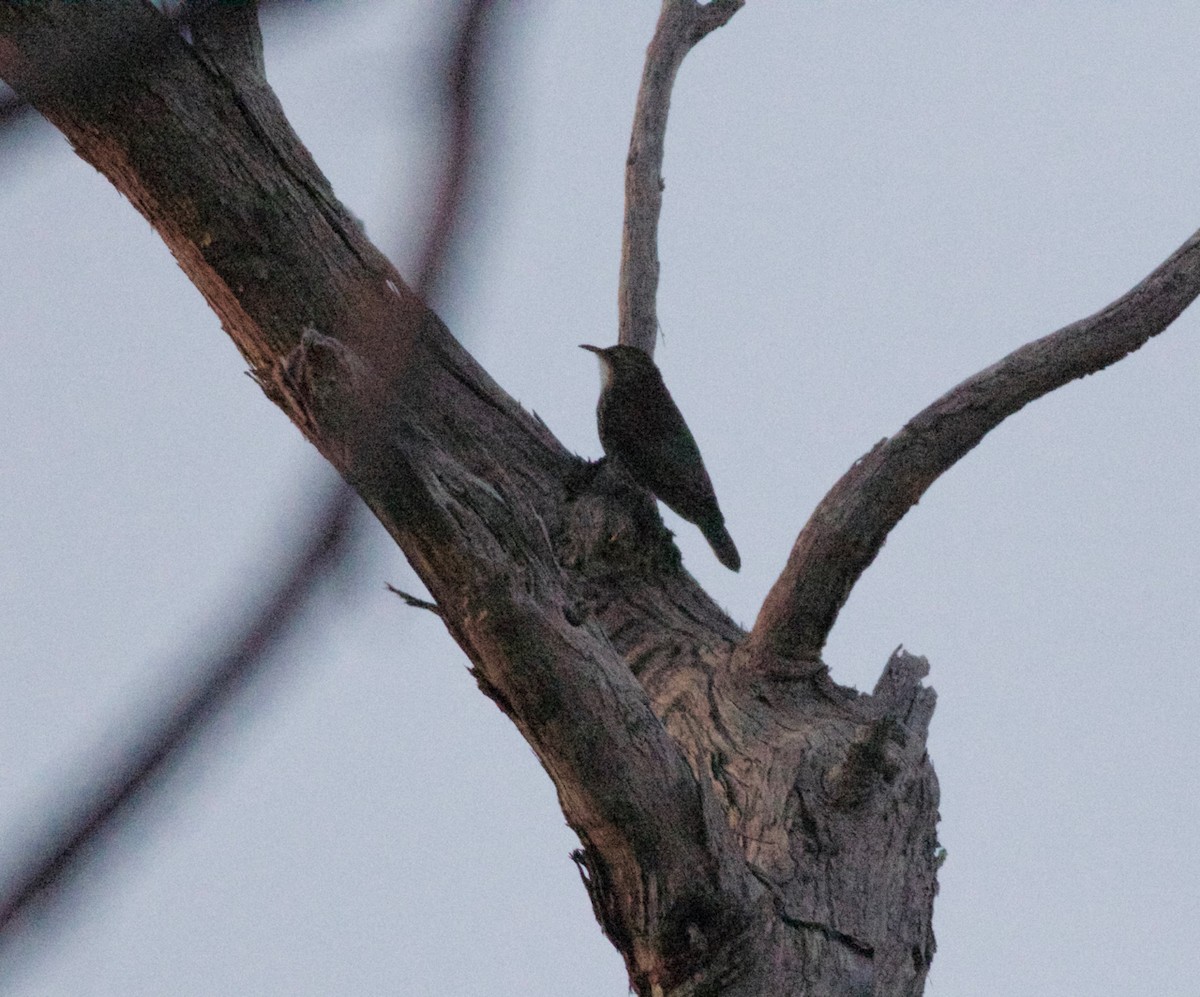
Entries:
{"x":648,"y":435}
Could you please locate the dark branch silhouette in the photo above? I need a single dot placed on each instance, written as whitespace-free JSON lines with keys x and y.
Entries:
{"x":161,"y":743}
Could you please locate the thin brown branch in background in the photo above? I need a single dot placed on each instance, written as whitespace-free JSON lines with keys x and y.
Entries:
{"x":849,"y":527}
{"x":236,"y":47}
{"x":160,"y":744}
{"x":681,"y":25}
{"x":460,"y":100}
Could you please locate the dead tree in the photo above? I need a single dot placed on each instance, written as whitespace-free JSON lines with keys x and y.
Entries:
{"x":747,"y":826}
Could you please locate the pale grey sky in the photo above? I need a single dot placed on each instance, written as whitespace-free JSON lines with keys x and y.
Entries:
{"x":865,"y":204}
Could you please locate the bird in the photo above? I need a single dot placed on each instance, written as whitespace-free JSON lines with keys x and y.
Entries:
{"x":642,"y":429}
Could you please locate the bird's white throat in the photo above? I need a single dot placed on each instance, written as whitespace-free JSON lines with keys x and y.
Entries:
{"x":606,"y":372}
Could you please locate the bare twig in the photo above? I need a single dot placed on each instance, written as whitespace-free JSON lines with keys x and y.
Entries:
{"x":848,"y":528}
{"x":681,"y":25}
{"x":235,"y":47}
{"x":415,"y":602}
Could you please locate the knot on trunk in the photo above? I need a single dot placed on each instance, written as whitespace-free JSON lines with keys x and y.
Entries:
{"x":320,"y":384}
{"x":872,"y":759}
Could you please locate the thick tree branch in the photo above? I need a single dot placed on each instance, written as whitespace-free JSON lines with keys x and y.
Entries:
{"x":470,"y":486}
{"x":849,"y":527}
{"x":228,"y":31}
{"x":681,"y":25}
{"x":227,"y":38}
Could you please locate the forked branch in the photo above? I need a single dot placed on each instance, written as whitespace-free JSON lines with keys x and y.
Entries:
{"x":848,"y":528}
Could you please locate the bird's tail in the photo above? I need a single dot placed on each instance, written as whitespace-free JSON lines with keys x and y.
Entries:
{"x":721,"y":542}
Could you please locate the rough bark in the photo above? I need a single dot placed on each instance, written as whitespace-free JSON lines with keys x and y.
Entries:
{"x":747,"y":826}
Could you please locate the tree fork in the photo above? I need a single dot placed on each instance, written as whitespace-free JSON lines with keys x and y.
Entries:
{"x":745,"y":830}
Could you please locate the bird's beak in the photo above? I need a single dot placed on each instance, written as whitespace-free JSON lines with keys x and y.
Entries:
{"x":594,"y":349}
